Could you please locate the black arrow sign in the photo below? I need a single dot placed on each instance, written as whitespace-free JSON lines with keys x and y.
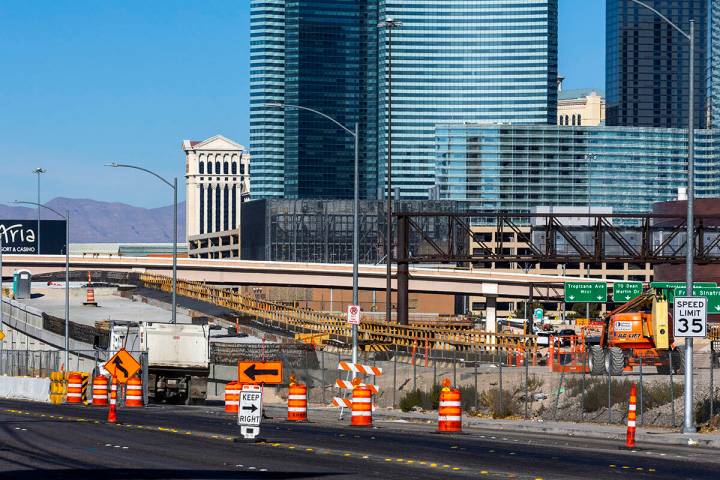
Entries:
{"x":253,"y":372}
{"x":118,"y":363}
{"x":252,"y":408}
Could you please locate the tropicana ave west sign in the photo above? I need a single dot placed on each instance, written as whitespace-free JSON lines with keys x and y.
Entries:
{"x":585,"y":292}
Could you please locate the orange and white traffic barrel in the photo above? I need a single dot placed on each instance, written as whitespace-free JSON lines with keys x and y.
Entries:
{"x":100,"y":391}
{"x":449,"y":409}
{"x":297,"y":402}
{"x":232,"y":397}
{"x":74,"y":388}
{"x":361,"y":407}
{"x":133,"y":393}
{"x":632,"y":413}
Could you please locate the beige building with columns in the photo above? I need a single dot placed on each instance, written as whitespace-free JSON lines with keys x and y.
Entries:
{"x":584,"y":108}
{"x":217,"y":173}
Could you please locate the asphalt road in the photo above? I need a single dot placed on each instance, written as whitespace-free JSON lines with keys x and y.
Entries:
{"x":39,"y":441}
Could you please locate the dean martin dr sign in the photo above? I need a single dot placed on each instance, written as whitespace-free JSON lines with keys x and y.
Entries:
{"x":20,"y":237}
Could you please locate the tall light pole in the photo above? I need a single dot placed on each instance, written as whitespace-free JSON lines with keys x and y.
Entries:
{"x":172,"y":185}
{"x":389,"y":24}
{"x":588,"y":158}
{"x":356,"y":201}
{"x":689,"y":423}
{"x":2,"y":340}
{"x":38,"y":171}
{"x":65,"y":217}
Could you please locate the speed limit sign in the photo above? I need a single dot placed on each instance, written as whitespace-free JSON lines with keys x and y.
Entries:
{"x":690,"y":317}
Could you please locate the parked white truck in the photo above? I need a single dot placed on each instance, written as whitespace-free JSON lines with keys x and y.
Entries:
{"x":178,"y":357}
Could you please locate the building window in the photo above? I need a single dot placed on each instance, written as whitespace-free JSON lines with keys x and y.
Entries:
{"x":573,"y":120}
{"x":218,"y":225}
{"x":202,"y":208}
{"x":201,"y":168}
{"x":234,"y":168}
{"x":226,"y":168}
{"x":209,"y":168}
{"x":209,"y":208}
{"x":226,"y":210}
{"x":217,"y":168}
{"x":579,"y":119}
{"x":567,"y":120}
{"x":234,"y":206}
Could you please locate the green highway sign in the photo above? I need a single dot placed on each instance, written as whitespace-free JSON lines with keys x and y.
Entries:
{"x":671,"y":286}
{"x":712,"y":295}
{"x":626,"y":291}
{"x":585,"y":292}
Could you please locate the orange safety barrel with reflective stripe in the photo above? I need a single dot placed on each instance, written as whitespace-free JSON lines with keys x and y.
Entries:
{"x":450,"y":410}
{"x":297,"y":403}
{"x":133,"y":393}
{"x":361,"y":407}
{"x":100,"y":391}
{"x":232,"y":397}
{"x":74,"y":388}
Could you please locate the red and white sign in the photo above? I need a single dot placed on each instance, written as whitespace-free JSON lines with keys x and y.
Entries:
{"x":353,"y":314}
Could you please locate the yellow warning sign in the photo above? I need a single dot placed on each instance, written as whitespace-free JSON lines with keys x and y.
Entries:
{"x":2,"y":336}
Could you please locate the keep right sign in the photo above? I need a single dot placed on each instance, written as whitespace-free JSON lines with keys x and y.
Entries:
{"x":690,"y":316}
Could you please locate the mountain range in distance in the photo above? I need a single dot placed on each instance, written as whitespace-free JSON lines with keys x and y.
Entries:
{"x":92,"y":221}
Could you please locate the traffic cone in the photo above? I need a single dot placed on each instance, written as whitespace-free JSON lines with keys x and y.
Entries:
{"x":112,"y":414}
{"x":90,"y":298}
{"x":632,"y":411}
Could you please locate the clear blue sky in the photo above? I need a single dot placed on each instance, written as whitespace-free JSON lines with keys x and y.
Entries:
{"x":87,"y":82}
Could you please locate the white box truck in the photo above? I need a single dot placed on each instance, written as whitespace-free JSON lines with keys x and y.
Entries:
{"x":178,"y":357}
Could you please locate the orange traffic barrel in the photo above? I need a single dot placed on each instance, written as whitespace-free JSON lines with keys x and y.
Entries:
{"x":74,"y":388}
{"x":449,"y":409}
{"x":361,"y":407}
{"x":232,"y":397}
{"x":100,"y":391}
{"x":297,"y":403}
{"x":632,"y":415}
{"x":133,"y":393}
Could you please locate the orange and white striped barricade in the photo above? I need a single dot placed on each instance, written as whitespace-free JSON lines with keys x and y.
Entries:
{"x":133,"y":393}
{"x":74,"y":388}
{"x":348,"y":385}
{"x":449,"y":409}
{"x":357,"y":368}
{"x":100,"y":391}
{"x":112,"y":413}
{"x":297,"y":402}
{"x":232,"y":397}
{"x":632,"y":413}
{"x":361,"y":407}
{"x":341,"y":402}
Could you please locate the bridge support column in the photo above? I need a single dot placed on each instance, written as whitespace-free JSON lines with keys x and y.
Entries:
{"x":403,"y":271}
{"x":491,"y":314}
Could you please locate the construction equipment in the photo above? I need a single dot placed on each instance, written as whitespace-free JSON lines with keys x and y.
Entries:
{"x":639,"y":330}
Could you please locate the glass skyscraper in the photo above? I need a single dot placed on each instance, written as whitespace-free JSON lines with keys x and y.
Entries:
{"x":647,"y":63}
{"x":453,"y":60}
{"x":515,"y":168}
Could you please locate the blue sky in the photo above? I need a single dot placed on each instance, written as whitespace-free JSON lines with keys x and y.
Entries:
{"x":86,"y":83}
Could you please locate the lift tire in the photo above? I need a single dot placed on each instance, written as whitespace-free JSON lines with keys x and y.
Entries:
{"x":615,"y":361}
{"x":663,"y":369}
{"x":678,"y":360}
{"x":597,"y":360}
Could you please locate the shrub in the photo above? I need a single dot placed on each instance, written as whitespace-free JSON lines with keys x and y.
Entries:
{"x":411,"y":399}
{"x":509,"y":405}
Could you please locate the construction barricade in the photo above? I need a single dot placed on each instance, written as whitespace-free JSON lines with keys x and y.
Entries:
{"x":100,"y":391}
{"x":570,"y":358}
{"x":74,"y":387}
{"x":297,"y":401}
{"x":449,"y":409}
{"x":361,"y":407}
{"x":632,"y":412}
{"x":58,"y":388}
{"x":133,"y":393}
{"x":232,"y":397}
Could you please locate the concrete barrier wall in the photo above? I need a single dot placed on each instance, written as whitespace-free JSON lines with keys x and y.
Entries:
{"x":25,"y":388}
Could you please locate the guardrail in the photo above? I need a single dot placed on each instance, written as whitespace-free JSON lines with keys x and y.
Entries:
{"x":407,"y":337}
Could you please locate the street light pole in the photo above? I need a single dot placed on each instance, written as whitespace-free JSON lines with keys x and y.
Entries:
{"x":65,"y":217}
{"x":2,"y":340}
{"x":173,"y":185}
{"x":38,"y":171}
{"x":389,"y":23}
{"x":356,"y":208}
{"x":689,"y":423}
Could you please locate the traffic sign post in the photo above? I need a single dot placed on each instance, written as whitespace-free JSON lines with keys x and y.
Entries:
{"x":626,"y":291}
{"x":270,"y":373}
{"x":690,"y":317}
{"x":122,"y":366}
{"x":353,"y":314}
{"x":585,"y":292}
{"x":250,"y":411}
